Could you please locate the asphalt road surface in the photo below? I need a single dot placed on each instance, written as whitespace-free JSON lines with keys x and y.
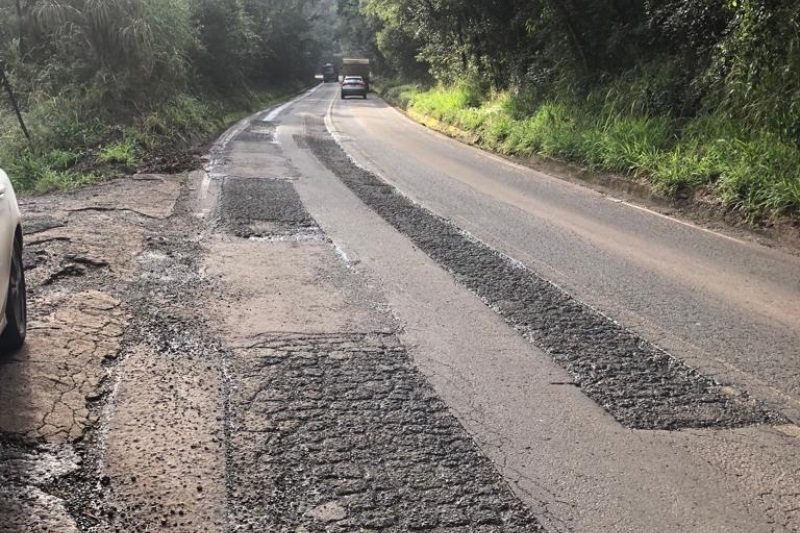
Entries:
{"x":713,"y":316}
{"x":728,"y":306}
{"x":346,"y":322}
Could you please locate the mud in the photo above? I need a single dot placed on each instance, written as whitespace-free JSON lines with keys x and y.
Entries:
{"x":172,"y":162}
{"x":640,"y":385}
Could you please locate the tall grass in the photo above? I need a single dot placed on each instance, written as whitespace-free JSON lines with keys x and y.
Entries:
{"x":76,"y":141}
{"x":754,"y":171}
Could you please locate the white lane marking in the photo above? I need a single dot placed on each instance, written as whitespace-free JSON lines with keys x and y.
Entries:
{"x":223,"y":142}
{"x":226,"y":138}
{"x":330,"y":126}
{"x":239,"y":127}
{"x":684,"y":223}
{"x":272,"y":115}
{"x":204,"y":189}
{"x":340,"y":139}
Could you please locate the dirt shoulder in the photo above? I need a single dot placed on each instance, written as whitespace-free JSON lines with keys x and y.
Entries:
{"x":81,"y":257}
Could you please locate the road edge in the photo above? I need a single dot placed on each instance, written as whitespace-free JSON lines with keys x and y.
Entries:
{"x":626,"y":190}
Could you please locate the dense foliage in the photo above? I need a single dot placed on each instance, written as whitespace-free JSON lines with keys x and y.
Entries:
{"x":109,"y":80}
{"x":701,"y":94}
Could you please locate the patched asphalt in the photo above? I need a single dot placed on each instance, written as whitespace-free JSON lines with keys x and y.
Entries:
{"x":342,"y":433}
{"x":339,"y":431}
{"x":257,"y":207}
{"x":640,"y":385}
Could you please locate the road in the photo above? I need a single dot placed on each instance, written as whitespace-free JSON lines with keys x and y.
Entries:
{"x":346,"y":322}
{"x":727,"y":305}
{"x":721,"y":304}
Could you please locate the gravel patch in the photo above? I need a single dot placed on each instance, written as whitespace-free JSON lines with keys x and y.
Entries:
{"x":639,"y":384}
{"x":341,"y":433}
{"x":258,"y":207}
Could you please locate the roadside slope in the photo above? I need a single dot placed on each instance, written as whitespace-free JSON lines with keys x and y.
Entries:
{"x":708,"y":169}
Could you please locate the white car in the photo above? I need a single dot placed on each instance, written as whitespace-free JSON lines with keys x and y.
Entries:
{"x":13,"y":321}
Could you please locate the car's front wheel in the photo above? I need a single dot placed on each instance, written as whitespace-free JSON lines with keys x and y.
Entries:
{"x":13,"y":337}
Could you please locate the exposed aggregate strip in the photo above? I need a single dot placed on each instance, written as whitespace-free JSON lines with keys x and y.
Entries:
{"x":167,"y":325}
{"x":341,"y":433}
{"x":255,"y":207}
{"x":639,"y":384}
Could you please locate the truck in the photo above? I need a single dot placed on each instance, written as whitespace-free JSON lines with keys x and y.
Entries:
{"x":356,"y":67}
{"x":330,"y":73}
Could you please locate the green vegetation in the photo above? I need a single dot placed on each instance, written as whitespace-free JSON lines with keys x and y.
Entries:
{"x":69,"y":151}
{"x":695,"y":97}
{"x":107,"y":85}
{"x":689,"y":95}
{"x":756,"y":172}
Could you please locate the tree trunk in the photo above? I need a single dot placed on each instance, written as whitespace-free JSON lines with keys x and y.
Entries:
{"x":578,"y":45}
{"x":21,"y":28}
{"x":462,"y":45}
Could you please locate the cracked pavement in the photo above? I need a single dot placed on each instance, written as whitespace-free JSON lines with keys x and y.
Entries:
{"x":285,"y":342}
{"x":79,"y":257}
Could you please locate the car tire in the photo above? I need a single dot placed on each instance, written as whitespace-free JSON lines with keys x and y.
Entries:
{"x":342,"y":97}
{"x":13,"y":337}
{"x":365,"y":97}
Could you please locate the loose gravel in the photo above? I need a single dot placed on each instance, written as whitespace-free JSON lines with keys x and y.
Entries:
{"x":341,"y":433}
{"x":639,"y":384}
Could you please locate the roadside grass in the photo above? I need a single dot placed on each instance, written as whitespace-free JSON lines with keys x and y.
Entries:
{"x":120,"y":152}
{"x":755,"y":172}
{"x":77,"y":141}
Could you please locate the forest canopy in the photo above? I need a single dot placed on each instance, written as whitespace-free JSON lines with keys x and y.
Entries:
{"x":699,"y":98}
{"x":140,"y":48}
{"x":112,"y":81}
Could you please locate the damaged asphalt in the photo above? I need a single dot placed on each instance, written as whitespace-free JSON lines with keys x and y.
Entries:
{"x":188,"y":430}
{"x":341,"y":433}
{"x":332,"y":428}
{"x":226,"y":368}
{"x":639,"y":384}
{"x":259,"y":207}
